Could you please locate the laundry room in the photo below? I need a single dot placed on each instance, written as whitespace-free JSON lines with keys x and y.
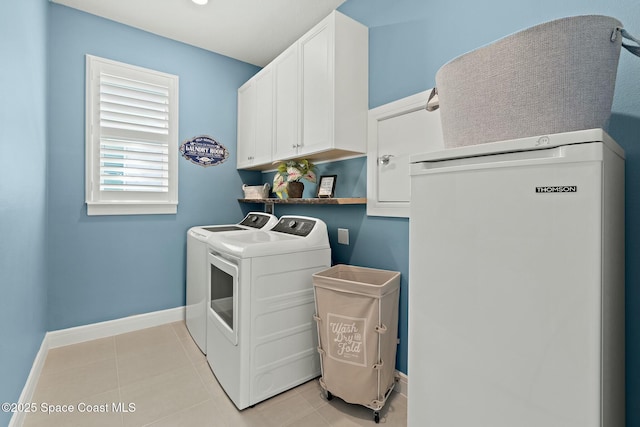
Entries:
{"x":77,"y":270}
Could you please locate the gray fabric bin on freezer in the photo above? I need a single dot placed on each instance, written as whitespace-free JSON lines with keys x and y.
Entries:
{"x":357,"y":317}
{"x":556,"y":77}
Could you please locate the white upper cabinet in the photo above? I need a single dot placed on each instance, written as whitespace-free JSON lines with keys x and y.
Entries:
{"x":334,"y":61}
{"x":246,"y":124}
{"x":316,"y":51}
{"x":320,"y":94}
{"x":255,"y":120}
{"x":286,"y":139}
{"x":396,"y":131}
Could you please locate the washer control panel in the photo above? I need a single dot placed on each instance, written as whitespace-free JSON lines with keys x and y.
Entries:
{"x":255,"y":220}
{"x":294,"y":225}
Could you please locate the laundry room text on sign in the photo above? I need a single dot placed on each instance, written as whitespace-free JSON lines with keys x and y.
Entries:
{"x":204,"y":151}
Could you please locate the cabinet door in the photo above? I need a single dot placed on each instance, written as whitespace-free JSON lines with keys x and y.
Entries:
{"x":400,"y":137}
{"x":246,"y":124}
{"x":317,"y":64}
{"x":396,"y":131}
{"x":286,"y":104}
{"x":263,"y":117}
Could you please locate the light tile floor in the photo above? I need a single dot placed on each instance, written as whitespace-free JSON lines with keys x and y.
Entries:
{"x":163,"y":374}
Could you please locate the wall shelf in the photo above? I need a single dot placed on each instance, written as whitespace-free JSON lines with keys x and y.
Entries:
{"x":310,"y":201}
{"x":268,"y":203}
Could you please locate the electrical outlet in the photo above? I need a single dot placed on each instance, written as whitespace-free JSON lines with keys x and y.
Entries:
{"x":343,"y":236}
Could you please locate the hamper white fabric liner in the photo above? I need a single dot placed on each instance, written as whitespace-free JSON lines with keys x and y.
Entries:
{"x":357,"y":315}
{"x":555,"y":77}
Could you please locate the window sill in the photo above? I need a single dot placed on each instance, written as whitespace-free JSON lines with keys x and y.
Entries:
{"x":111,"y":208}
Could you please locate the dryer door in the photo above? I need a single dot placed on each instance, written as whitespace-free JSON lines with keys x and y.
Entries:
{"x":223,"y":281}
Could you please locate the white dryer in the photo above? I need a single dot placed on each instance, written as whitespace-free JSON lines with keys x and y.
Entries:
{"x":197,"y":287}
{"x":261,"y":336}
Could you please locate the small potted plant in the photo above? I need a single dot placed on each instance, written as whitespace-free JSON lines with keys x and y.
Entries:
{"x":288,"y":176}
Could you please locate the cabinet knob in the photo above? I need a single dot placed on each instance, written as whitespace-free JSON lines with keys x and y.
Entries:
{"x":384,"y":159}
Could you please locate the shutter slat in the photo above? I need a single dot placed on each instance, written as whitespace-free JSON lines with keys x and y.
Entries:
{"x":126,"y":158}
{"x":128,"y":94}
{"x":136,"y":164}
{"x":145,"y":189}
{"x":133,"y":120}
{"x":133,"y":127}
{"x":133,"y":172}
{"x":134,"y":181}
{"x":134,"y":147}
{"x":134,"y":111}
{"x":111,"y":80}
{"x":139,"y":103}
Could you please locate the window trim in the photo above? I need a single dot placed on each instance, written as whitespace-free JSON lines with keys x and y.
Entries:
{"x":97,"y":201}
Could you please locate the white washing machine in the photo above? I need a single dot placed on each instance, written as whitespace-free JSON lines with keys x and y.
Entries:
{"x":261,"y":336}
{"x":197,"y":266}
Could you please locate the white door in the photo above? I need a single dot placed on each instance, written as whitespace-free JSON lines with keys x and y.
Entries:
{"x":224,"y":350}
{"x":197,"y":288}
{"x":317,"y":67}
{"x":223,"y":281}
{"x":264,"y":116}
{"x":246,"y":124}
{"x":398,"y":138}
{"x":396,"y":131}
{"x":287,"y":139}
{"x":505,"y":290}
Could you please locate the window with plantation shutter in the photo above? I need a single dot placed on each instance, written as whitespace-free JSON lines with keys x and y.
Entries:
{"x":132,"y":139}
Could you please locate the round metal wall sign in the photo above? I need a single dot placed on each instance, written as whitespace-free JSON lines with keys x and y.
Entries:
{"x":204,"y":151}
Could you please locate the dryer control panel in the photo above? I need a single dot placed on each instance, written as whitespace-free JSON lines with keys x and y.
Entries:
{"x":295,"y":225}
{"x":256,"y":220}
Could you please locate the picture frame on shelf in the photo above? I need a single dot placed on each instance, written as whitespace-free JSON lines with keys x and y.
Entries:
{"x":326,"y":186}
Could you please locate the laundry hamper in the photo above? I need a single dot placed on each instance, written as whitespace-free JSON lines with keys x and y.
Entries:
{"x":555,"y":77}
{"x":357,"y":319}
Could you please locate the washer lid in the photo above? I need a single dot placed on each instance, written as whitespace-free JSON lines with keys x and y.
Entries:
{"x":220,"y":228}
{"x":291,"y":234}
{"x":253,"y":221}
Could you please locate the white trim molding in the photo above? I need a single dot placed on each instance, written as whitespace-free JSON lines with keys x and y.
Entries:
{"x":84,"y":333}
{"x":131,"y":131}
{"x":18,"y":417}
{"x":110,"y":328}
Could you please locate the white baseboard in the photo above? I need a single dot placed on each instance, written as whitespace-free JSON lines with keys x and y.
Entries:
{"x":18,"y":417}
{"x":110,"y":328}
{"x":402,"y":386}
{"x":84,"y":333}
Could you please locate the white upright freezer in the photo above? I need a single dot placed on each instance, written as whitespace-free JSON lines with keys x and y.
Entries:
{"x":516,"y":284}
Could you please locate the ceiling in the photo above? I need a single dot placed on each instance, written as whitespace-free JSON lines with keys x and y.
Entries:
{"x":253,"y":31}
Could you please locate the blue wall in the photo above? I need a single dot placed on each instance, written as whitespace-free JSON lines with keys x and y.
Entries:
{"x":108,"y":267}
{"x":101,"y":268}
{"x":23,"y":170}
